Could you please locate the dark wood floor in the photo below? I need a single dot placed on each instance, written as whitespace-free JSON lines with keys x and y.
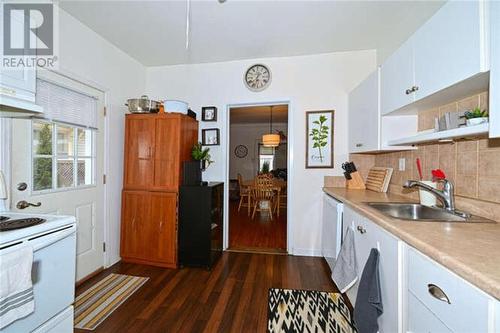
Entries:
{"x":259,"y":234}
{"x":230,"y":298}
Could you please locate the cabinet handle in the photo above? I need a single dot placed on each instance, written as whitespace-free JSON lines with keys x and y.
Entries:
{"x":133,"y":223}
{"x":438,"y":293}
{"x":161,"y":224}
{"x":361,"y":229}
{"x":414,"y":88}
{"x":408,"y":91}
{"x":359,"y":145}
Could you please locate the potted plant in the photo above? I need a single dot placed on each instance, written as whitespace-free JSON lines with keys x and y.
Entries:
{"x":476,"y":117}
{"x":265,"y":168}
{"x":201,"y":154}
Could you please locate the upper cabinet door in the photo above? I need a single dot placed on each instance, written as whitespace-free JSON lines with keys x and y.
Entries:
{"x":18,"y":82}
{"x":450,"y":47}
{"x":139,"y":150}
{"x":397,"y":79}
{"x":364,"y":115}
{"x":167,"y":150}
{"x":494,"y":102}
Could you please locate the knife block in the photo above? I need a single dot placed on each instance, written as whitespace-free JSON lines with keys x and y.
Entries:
{"x":356,"y":182}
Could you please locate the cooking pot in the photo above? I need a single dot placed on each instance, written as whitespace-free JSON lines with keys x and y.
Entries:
{"x":142,"y":105}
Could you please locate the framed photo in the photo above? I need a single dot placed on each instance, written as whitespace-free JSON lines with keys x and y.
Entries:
{"x":319,"y":139}
{"x":210,"y":137}
{"x":209,"y":113}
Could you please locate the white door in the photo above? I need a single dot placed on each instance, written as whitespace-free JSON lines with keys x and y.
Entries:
{"x":396,"y":76}
{"x":441,"y":59}
{"x":62,"y":165}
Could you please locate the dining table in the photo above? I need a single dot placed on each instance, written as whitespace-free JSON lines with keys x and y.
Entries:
{"x":278,"y":185}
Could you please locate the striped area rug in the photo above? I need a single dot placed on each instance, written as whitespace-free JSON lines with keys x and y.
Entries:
{"x":99,"y":301}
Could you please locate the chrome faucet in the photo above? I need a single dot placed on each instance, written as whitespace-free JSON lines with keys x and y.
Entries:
{"x":446,"y":196}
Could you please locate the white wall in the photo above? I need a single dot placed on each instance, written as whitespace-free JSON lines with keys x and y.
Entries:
{"x":318,"y":82}
{"x":249,"y":135}
{"x":87,"y":56}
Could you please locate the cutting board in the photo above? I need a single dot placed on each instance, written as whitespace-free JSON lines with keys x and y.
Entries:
{"x":378,"y":179}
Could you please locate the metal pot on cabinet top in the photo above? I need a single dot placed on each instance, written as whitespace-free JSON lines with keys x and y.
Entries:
{"x":142,"y":105}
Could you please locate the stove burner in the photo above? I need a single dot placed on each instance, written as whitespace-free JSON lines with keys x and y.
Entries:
{"x":20,"y":223}
{"x":4,"y":218}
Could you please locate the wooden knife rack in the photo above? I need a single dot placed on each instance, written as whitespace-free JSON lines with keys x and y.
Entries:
{"x":356,"y":182}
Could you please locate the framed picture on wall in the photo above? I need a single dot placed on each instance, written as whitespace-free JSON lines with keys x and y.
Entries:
{"x":209,"y":113}
{"x":210,"y":137}
{"x":319,"y":139}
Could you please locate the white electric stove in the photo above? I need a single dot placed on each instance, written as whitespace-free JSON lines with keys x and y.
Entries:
{"x":53,"y":272}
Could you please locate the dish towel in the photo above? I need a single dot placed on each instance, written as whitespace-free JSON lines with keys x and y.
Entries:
{"x":345,"y":271}
{"x":16,"y":288}
{"x":369,"y":300}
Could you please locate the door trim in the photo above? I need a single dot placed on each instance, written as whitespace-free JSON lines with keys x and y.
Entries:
{"x":290,"y":166}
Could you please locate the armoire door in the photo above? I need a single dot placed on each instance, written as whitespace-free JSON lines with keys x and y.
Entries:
{"x":166,"y":157}
{"x":139,"y":152}
{"x":163,"y":239}
{"x":136,"y":217}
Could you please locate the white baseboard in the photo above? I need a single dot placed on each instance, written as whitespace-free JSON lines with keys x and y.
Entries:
{"x":307,"y":252}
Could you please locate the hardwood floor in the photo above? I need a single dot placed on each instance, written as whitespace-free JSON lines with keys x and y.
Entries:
{"x":230,"y":298}
{"x":260,"y":234}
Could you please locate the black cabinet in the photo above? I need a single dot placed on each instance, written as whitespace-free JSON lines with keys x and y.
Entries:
{"x":200,"y":224}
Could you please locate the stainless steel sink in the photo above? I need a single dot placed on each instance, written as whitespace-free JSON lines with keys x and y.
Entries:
{"x":418,"y":212}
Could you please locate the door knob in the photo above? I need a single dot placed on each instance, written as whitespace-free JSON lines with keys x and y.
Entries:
{"x":25,"y":204}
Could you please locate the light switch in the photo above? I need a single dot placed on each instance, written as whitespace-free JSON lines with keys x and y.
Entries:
{"x":402,"y":164}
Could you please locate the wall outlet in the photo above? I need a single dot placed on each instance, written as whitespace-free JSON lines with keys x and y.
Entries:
{"x":402,"y":164}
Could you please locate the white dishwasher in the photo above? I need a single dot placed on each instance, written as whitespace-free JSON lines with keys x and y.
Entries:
{"x":331,"y":235}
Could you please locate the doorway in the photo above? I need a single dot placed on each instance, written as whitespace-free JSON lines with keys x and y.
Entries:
{"x":60,"y":159}
{"x":257,"y":211}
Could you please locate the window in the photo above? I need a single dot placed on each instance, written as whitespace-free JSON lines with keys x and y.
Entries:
{"x":266,"y":157}
{"x":63,"y":156}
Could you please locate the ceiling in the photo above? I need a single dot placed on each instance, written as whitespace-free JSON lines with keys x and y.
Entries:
{"x":259,"y":114}
{"x":153,"y":32}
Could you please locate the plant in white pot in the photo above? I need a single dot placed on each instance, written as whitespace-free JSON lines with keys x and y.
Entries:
{"x":476,"y":117}
{"x":202,"y":155}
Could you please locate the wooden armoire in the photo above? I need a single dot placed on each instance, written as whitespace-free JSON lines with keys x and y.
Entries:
{"x":156,"y":145}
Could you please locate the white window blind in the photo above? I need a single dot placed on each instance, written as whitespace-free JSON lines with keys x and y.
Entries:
{"x":65,"y":105}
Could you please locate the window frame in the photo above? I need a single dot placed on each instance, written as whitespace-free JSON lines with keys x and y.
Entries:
{"x":54,"y":156}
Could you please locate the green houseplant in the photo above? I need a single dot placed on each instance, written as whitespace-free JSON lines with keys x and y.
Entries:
{"x":265,"y":168}
{"x":476,"y":116}
{"x":201,"y":154}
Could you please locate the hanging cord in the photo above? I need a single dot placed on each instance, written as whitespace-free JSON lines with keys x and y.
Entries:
{"x":271,"y":122}
{"x":188,"y":15}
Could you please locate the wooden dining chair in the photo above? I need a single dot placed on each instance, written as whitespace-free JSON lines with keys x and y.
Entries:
{"x":281,"y":202}
{"x":245,"y":194}
{"x":263,"y":196}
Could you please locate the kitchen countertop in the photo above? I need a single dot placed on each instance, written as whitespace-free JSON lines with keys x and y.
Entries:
{"x":470,"y":250}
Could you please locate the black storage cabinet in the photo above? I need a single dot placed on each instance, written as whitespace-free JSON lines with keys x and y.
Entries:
{"x":200,"y":224}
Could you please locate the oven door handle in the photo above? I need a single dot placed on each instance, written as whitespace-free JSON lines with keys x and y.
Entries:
{"x":42,"y":241}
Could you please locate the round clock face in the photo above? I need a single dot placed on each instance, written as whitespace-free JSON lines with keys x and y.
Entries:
{"x":241,"y":151}
{"x":257,"y":77}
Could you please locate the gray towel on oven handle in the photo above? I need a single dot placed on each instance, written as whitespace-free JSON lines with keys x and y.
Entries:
{"x":345,"y":271}
{"x":369,"y":299}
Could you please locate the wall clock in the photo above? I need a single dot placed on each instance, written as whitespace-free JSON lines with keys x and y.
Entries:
{"x":257,"y":77}
{"x":241,"y":151}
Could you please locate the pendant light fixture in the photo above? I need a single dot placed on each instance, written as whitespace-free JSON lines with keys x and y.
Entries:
{"x":271,"y":140}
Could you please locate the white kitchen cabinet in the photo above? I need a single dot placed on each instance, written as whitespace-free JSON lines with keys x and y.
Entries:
{"x":457,"y":304}
{"x":396,"y":77}
{"x":364,"y":115}
{"x":450,"y":47}
{"x":20,"y":82}
{"x":368,"y":132}
{"x":368,"y":235}
{"x":494,"y":103}
{"x":331,"y":236}
{"x":443,"y":61}
{"x":422,"y":320}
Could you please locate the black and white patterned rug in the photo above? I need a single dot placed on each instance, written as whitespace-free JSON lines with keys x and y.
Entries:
{"x":308,"y":311}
